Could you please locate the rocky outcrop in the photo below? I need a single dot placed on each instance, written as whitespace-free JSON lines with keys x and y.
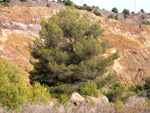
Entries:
{"x":101,"y":100}
{"x":134,"y":100}
{"x":77,"y":100}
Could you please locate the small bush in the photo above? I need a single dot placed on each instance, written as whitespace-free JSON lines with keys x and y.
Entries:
{"x":14,"y":92}
{"x":115,"y":10}
{"x":126,"y":13}
{"x":146,"y":23}
{"x":5,"y":4}
{"x":89,"y":89}
{"x":138,"y":88}
{"x":106,"y":81}
{"x":95,"y":7}
{"x":12,"y":87}
{"x":119,"y":104}
{"x":116,"y":17}
{"x":131,"y":88}
{"x":116,"y":91}
{"x":48,"y":5}
{"x":23,"y":0}
{"x":84,"y":4}
{"x":38,"y":93}
{"x":133,"y":12}
{"x":57,"y":91}
{"x":111,"y":16}
{"x":142,"y":11}
{"x":6,"y":1}
{"x":125,"y":97}
{"x":59,"y":1}
{"x":64,"y":99}
{"x":96,"y":12}
{"x":68,"y":2}
{"x":88,"y":8}
{"x":147,"y":86}
{"x":84,"y":7}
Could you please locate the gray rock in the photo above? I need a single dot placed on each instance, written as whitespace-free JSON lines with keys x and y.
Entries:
{"x":134,"y":100}
{"x":77,"y":99}
{"x":101,"y":100}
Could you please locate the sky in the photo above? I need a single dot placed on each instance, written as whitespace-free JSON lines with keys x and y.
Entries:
{"x":119,"y":4}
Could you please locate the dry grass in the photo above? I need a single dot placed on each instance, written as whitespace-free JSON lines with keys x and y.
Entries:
{"x":110,"y":108}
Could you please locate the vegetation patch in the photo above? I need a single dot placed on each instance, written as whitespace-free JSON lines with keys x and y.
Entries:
{"x":71,"y":54}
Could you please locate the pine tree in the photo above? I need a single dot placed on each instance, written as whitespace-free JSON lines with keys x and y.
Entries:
{"x":126,"y":13}
{"x":69,"y":51}
{"x":115,"y":10}
{"x":142,"y":11}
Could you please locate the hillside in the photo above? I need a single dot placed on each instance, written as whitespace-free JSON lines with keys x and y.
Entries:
{"x":20,"y":25}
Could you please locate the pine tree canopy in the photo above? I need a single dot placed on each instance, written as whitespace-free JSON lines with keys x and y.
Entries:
{"x":69,"y":50}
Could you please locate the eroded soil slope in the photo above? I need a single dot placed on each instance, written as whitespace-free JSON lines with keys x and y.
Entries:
{"x":20,"y":25}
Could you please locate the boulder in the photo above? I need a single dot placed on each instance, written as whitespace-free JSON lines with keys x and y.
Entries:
{"x":101,"y":100}
{"x":77,"y":99}
{"x":134,"y":100}
{"x":89,"y":99}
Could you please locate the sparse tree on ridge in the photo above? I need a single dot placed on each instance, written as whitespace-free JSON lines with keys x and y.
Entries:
{"x":142,"y":11}
{"x":115,"y":10}
{"x":126,"y":13}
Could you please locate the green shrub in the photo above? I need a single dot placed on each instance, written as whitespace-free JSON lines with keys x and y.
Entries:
{"x":48,"y":5}
{"x":68,"y":55}
{"x":89,"y":89}
{"x":125,"y":97}
{"x":147,"y":86}
{"x":115,"y":10}
{"x":12,"y":87}
{"x":126,"y":13}
{"x":6,"y":1}
{"x":116,"y":91}
{"x":23,"y":0}
{"x":142,"y":11}
{"x":131,"y":88}
{"x":77,"y":6}
{"x":59,"y":1}
{"x":146,"y":22}
{"x":96,"y":12}
{"x":133,"y":12}
{"x":116,"y":17}
{"x":14,"y":92}
{"x":84,"y":4}
{"x":118,"y":105}
{"x":38,"y":93}
{"x":138,"y":88}
{"x":84,"y":7}
{"x":68,"y":2}
{"x":64,"y":99}
{"x":57,"y":91}
{"x":81,"y":7}
{"x":5,"y":4}
{"x":89,"y":8}
{"x":111,"y":16}
{"x":95,"y":7}
{"x":106,"y":81}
